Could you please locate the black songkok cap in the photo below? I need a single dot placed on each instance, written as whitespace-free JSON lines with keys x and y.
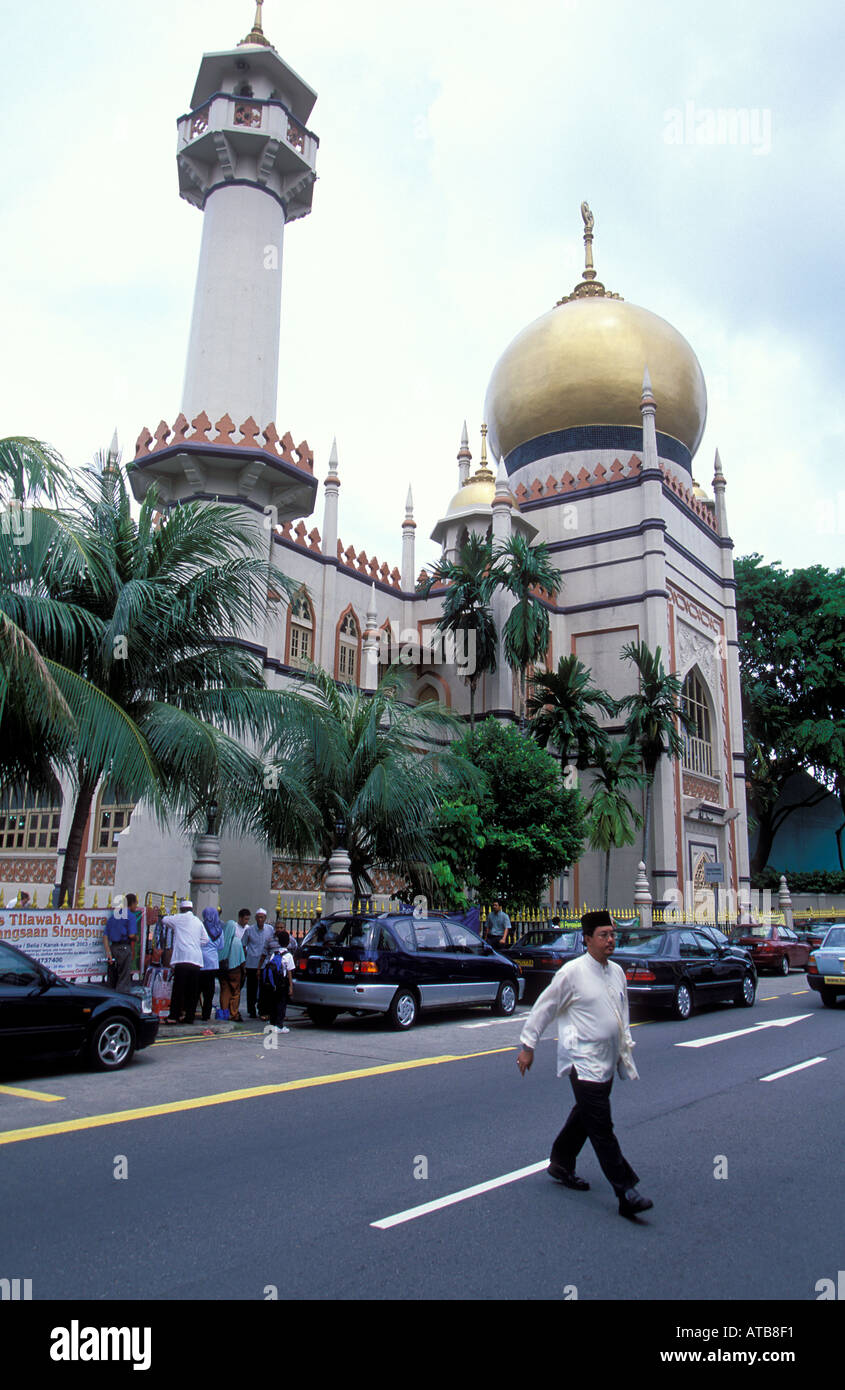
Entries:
{"x":591,"y":920}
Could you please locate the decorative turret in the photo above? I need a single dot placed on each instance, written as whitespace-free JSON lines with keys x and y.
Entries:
{"x":464,"y":457}
{"x":409,"y":527}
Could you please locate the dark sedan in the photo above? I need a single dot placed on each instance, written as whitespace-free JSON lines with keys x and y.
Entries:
{"x":44,"y":1016}
{"x":680,"y":967}
{"x":540,"y":953}
{"x":398,"y":965}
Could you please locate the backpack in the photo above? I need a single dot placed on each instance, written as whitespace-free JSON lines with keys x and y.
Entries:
{"x":274,"y":975}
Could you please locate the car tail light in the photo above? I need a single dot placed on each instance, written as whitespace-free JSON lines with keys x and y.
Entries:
{"x":360,"y":967}
{"x":302,"y":964}
{"x":639,"y":973}
{"x":812,"y":968}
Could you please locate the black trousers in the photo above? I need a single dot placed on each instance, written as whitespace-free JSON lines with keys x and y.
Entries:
{"x":186,"y":991}
{"x":590,"y":1118}
{"x":252,"y":983}
{"x":207,"y":979}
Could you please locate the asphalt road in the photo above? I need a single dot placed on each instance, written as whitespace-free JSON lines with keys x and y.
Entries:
{"x":280,"y":1189}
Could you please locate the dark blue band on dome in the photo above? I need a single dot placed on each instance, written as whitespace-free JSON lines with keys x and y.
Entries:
{"x":627,"y":438}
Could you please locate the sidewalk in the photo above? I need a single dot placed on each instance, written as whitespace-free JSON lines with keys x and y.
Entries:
{"x":248,"y":1025}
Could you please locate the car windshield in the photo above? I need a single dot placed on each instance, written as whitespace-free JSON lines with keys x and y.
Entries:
{"x":635,"y":939}
{"x":348,"y":932}
{"x":565,"y":941}
{"x":835,"y":937}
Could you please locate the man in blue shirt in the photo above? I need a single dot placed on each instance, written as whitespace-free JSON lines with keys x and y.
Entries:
{"x":119,"y":939}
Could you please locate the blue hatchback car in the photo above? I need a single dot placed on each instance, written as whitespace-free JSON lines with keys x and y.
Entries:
{"x":397,"y":965}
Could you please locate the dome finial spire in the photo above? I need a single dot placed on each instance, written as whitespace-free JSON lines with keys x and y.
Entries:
{"x":256,"y":33}
{"x":589,"y":286}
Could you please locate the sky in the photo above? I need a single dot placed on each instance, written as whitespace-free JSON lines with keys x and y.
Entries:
{"x":457,"y":142}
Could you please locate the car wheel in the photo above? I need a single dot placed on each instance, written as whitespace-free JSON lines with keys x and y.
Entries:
{"x":829,"y":997}
{"x":320,"y":1014}
{"x":505,"y":999}
{"x":682,"y":1005}
{"x":403,"y":1010}
{"x":784,"y":965}
{"x":112,"y":1044}
{"x":748,"y":992}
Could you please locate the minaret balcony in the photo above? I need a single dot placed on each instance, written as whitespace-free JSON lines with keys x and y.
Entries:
{"x":234,"y":137}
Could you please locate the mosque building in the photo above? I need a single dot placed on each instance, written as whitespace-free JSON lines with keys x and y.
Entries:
{"x":593,"y":416}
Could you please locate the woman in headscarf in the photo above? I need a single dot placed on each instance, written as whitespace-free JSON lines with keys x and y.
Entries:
{"x":231,"y":970}
{"x":210,"y":959}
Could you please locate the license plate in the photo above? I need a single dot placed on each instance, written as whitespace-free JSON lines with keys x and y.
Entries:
{"x":834,"y":979}
{"x":520,"y":961}
{"x":323,"y":967}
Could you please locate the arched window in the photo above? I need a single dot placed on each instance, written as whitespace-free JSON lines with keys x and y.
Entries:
{"x":301,"y":646}
{"x":347,"y":664}
{"x":698,"y":742}
{"x":113,"y":815}
{"x":30,"y":820}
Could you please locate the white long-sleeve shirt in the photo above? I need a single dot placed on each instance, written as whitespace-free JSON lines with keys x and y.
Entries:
{"x":189,"y":934}
{"x":592,"y":1034}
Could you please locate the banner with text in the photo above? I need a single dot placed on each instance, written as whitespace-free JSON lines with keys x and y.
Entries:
{"x":67,"y":942}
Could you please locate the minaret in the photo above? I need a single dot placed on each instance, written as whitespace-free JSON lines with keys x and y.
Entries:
{"x":464,"y":458}
{"x":409,"y":526}
{"x":247,"y":161}
{"x":332,"y":486}
{"x":329,"y":588}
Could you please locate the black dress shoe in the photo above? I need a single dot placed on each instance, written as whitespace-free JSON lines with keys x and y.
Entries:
{"x":568,"y":1178}
{"x":632,"y":1202}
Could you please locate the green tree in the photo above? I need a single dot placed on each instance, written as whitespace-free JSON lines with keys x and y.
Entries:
{"x":136,"y":622}
{"x":791,"y":628}
{"x":369,"y":761}
{"x":653,"y":715}
{"x":560,"y":708}
{"x":613,"y":820}
{"x":466,"y":606}
{"x":521,"y":569}
{"x":532,"y":826}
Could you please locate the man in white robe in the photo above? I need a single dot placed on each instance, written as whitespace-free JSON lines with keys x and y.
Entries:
{"x":589,"y":998}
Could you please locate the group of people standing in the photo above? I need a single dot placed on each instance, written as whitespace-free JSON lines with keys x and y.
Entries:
{"x":203,"y":951}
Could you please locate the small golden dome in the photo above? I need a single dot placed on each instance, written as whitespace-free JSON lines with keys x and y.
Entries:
{"x":582,"y":364}
{"x":474,"y":493}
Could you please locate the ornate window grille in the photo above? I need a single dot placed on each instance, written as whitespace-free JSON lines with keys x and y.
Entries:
{"x":698,"y":744}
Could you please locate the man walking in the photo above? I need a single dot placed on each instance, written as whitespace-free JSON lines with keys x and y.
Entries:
{"x":498,"y":926}
{"x":589,"y":998}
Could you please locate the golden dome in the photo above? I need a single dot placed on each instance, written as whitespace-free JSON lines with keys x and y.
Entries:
{"x":582,"y":364}
{"x":474,"y":493}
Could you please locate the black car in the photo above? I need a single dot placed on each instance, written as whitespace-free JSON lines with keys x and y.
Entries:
{"x":397,"y":964}
{"x":540,"y":953}
{"x":679,"y":967}
{"x":42,"y":1015}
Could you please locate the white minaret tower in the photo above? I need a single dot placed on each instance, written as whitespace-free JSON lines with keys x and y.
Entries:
{"x":247,"y":160}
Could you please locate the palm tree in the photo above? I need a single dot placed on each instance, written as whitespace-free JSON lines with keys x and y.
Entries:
{"x":369,"y":763}
{"x":559,"y":706}
{"x":613,"y":820}
{"x":521,"y":568}
{"x":654,"y":713}
{"x":137,"y":625}
{"x":466,"y":606}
